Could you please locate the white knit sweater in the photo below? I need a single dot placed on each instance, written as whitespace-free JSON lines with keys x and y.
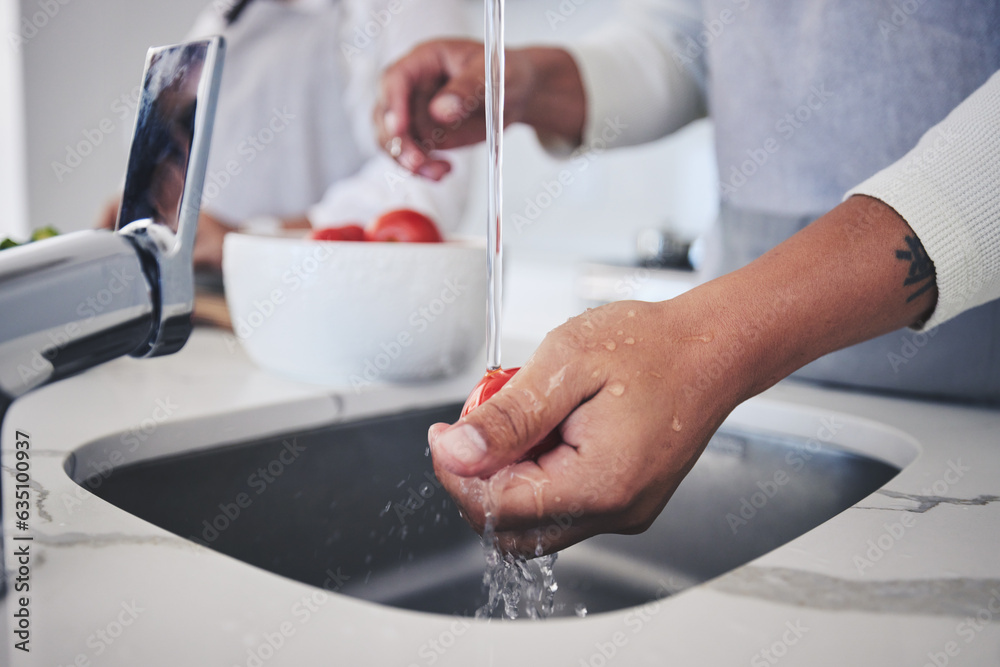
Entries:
{"x":948,"y":189}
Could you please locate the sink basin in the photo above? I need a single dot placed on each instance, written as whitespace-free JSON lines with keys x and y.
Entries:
{"x":355,"y":507}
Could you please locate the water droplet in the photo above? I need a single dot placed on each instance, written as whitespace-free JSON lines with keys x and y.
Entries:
{"x":556,"y":379}
{"x":616,"y":388}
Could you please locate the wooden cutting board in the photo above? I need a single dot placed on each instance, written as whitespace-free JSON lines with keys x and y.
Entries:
{"x":210,"y":309}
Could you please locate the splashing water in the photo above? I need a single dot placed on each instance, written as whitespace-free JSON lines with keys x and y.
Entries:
{"x":519,"y":583}
{"x":514,"y":580}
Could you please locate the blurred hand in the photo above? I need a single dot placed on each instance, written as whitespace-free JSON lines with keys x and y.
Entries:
{"x":108,"y":217}
{"x":207,"y":253}
{"x":433,"y":99}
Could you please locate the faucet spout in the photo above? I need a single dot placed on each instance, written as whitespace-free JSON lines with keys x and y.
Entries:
{"x":69,"y":303}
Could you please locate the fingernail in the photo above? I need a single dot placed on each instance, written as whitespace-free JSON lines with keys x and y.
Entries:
{"x":391,"y":120}
{"x":462,"y":443}
{"x":446,"y":107}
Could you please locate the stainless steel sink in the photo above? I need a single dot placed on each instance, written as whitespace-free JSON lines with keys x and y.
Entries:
{"x":355,"y":507}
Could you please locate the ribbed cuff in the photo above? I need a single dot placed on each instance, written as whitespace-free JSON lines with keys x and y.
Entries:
{"x":948,"y":190}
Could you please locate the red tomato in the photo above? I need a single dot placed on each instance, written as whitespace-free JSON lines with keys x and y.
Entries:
{"x":345,"y":233}
{"x":491,"y":383}
{"x":404,"y":225}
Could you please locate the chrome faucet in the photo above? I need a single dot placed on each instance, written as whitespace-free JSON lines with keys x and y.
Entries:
{"x":71,"y":302}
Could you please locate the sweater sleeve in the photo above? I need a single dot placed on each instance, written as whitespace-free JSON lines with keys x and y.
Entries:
{"x":948,"y":190}
{"x":643,"y":74}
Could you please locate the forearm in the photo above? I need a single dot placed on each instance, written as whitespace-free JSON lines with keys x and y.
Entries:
{"x":854,"y":274}
{"x":550,"y":97}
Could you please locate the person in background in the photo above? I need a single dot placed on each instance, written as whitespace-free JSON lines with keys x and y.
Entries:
{"x":895,"y":104}
{"x":293,"y":144}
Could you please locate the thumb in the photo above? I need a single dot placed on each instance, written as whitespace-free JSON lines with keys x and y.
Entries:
{"x":506,"y":427}
{"x":463,"y":94}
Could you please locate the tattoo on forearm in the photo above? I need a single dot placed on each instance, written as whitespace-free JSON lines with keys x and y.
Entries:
{"x":921,"y":271}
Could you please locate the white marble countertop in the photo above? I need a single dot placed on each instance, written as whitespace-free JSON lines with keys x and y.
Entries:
{"x":909,"y":576}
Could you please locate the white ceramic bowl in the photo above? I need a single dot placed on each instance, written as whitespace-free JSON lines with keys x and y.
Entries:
{"x":356,"y":313}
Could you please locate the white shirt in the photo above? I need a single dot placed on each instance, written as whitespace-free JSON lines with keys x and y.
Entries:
{"x":293,"y":132}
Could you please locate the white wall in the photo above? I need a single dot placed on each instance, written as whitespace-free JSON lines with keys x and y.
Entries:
{"x":13,"y":190}
{"x":84,"y":56}
{"x":89,"y":54}
{"x":670,"y":183}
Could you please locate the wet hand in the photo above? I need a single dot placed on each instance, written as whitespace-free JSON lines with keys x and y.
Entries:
{"x":617,"y":384}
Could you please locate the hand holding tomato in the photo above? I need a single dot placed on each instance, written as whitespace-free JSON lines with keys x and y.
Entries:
{"x":491,"y":383}
{"x":609,"y":387}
